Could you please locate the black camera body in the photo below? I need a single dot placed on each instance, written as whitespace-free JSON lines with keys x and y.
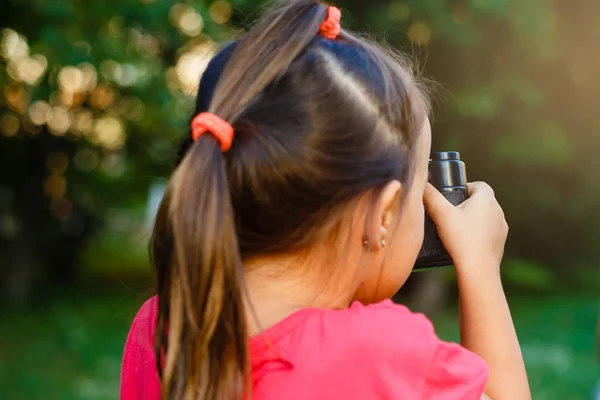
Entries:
{"x":447,"y":173}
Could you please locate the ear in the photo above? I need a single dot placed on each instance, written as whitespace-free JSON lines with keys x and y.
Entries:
{"x":383,"y":211}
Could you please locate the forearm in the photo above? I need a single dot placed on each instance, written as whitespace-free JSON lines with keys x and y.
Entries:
{"x":487,"y":329}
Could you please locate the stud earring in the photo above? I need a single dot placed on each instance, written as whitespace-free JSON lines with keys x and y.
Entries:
{"x":383,"y":233}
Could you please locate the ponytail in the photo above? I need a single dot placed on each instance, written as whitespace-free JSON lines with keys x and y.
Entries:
{"x":265,"y":53}
{"x":202,"y":332}
{"x":201,"y":305}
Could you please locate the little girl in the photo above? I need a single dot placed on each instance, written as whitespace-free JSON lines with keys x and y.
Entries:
{"x":295,"y":213}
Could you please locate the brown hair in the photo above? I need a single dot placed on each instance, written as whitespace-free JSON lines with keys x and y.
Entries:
{"x":317,"y":122}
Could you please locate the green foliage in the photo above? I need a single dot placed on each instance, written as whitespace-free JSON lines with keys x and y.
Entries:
{"x":544,"y":144}
{"x":71,"y":349}
{"x":557,"y":339}
{"x":96,"y":97}
{"x":516,"y":100}
{"x":118,"y":80}
{"x":528,"y":274}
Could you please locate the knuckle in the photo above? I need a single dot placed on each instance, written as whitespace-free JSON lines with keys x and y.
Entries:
{"x":482,"y":188}
{"x":489,"y":189}
{"x":502,"y":212}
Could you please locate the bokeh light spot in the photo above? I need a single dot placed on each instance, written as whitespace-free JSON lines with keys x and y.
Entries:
{"x":191,"y":23}
{"x":420,"y":33}
{"x":186,"y":19}
{"x":399,"y":11}
{"x":111,"y":70}
{"x":16,"y":98}
{"x":86,"y":160}
{"x":90,"y":76}
{"x":9,"y":124}
{"x":9,"y":228}
{"x":29,"y":70}
{"x":29,"y":126}
{"x":220,"y":11}
{"x":176,"y":12}
{"x":55,"y":186}
{"x":113,"y":165}
{"x":191,"y":65}
{"x":461,"y":13}
{"x":58,"y":119}
{"x":12,"y":45}
{"x":57,"y":162}
{"x":110,"y":132}
{"x":70,"y":79}
{"x":132,"y":108}
{"x":83,"y":122}
{"x":102,"y":97}
{"x":115,"y":26}
{"x":128,"y":76}
{"x":38,"y":112}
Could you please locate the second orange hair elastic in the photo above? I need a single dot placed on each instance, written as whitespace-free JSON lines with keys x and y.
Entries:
{"x":221,"y":129}
{"x":331,"y":28}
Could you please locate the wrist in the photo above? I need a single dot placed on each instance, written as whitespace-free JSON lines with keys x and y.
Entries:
{"x":478,"y":271}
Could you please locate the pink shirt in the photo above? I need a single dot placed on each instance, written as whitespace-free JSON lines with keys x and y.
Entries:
{"x":380,"y":351}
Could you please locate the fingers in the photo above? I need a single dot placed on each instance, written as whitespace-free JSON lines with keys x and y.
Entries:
{"x":435,"y":202}
{"x":483,"y":191}
{"x":480,"y":189}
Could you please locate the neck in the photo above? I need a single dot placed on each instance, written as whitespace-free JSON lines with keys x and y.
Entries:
{"x":281,"y":285}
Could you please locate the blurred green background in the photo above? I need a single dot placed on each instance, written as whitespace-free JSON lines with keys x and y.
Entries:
{"x":95,"y":98}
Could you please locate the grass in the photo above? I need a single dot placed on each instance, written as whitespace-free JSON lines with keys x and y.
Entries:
{"x":557,"y":337}
{"x":71,"y":349}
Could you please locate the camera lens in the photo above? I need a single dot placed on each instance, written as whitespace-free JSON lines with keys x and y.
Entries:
{"x":445,"y":155}
{"x":447,"y":171}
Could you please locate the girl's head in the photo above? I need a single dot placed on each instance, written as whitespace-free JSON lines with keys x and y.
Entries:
{"x":330,"y":150}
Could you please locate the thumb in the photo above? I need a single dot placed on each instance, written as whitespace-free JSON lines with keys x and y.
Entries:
{"x":435,"y":203}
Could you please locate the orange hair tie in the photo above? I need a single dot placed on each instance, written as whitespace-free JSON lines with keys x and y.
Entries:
{"x":331,"y":28}
{"x":212,"y":123}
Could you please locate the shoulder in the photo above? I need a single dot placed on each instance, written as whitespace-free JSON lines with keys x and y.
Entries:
{"x":144,"y":324}
{"x":404,"y":353}
{"x":148,"y":311}
{"x":139,"y":376}
{"x":387,"y":313}
{"x":387,"y":321}
{"x":388,"y":330}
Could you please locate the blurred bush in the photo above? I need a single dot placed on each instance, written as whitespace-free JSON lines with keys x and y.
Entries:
{"x":96,"y":95}
{"x":94,"y":99}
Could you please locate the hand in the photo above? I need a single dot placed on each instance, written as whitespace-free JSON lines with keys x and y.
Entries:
{"x":473,"y":233}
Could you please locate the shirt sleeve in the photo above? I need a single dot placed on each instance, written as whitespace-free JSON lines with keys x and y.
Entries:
{"x":139,"y":377}
{"x":412,"y":362}
{"x":455,"y":373}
